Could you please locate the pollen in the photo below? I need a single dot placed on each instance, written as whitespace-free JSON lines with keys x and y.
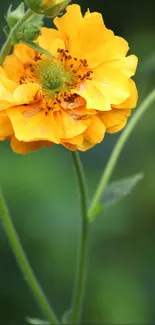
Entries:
{"x":78,"y":68}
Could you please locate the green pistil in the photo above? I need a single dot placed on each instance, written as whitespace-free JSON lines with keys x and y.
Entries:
{"x":52,"y":76}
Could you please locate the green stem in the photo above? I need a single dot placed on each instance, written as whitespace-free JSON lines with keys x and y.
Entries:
{"x":24,"y":264}
{"x":117,"y":150}
{"x":81,"y":266}
{"x":7,"y":45}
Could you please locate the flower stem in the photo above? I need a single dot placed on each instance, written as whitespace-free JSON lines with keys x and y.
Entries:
{"x":117,"y":150}
{"x":7,"y":45}
{"x":24,"y":264}
{"x":81,"y":266}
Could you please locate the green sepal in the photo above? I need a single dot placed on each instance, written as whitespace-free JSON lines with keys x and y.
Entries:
{"x":14,"y":16}
{"x":55,"y":10}
{"x":50,"y":10}
{"x":34,"y":4}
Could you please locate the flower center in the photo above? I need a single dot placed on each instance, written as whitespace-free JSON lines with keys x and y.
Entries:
{"x":52,"y":75}
{"x":78,"y":68}
{"x":58,"y":78}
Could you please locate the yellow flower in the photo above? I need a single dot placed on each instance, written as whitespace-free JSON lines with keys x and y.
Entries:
{"x":73,"y":98}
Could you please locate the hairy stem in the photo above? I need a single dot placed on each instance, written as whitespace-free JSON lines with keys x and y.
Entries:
{"x":81,"y":265}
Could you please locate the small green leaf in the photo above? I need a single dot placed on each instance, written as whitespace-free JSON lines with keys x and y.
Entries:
{"x":38,"y":48}
{"x":66,"y":317}
{"x":36,"y":321}
{"x":14,"y":16}
{"x":98,"y":209}
{"x":119,"y":189}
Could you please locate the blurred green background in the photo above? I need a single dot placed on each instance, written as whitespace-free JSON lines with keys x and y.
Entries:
{"x":41,"y":192}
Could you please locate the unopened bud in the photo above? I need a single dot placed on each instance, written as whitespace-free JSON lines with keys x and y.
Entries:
{"x":49,"y":8}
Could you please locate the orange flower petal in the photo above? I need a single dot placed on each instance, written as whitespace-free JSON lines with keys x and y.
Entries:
{"x":71,"y":147}
{"x":5,"y":125}
{"x":85,"y":145}
{"x":95,"y":131}
{"x":50,"y":40}
{"x":13,"y":68}
{"x":90,"y":40}
{"x":77,"y":140}
{"x":24,"y":53}
{"x":95,"y":99}
{"x":23,"y":148}
{"x":127,"y":65}
{"x":113,"y":84}
{"x":114,"y":49}
{"x":36,"y":127}
{"x":69,"y":126}
{"x":6,"y":98}
{"x":115,"y":120}
{"x":70,"y":31}
{"x":131,"y":101}
{"x":26,"y":93}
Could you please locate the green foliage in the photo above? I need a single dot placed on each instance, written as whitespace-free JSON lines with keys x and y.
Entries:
{"x":66,"y":317}
{"x":36,"y":321}
{"x":115,"y":191}
{"x":43,"y":202}
{"x":12,"y":17}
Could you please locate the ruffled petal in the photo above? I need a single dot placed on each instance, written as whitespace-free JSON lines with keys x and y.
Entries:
{"x":26,"y":93}
{"x":77,"y":140}
{"x":131,"y":101}
{"x":82,"y":40}
{"x":127,"y":65}
{"x":113,"y":84}
{"x":6,"y":98}
{"x":115,"y":120}
{"x":5,"y":125}
{"x":31,"y":128}
{"x":24,"y":53}
{"x":95,"y":99}
{"x":50,"y":40}
{"x":95,"y":131}
{"x":70,"y":126}
{"x":113,"y":49}
{"x":23,"y":148}
{"x":69,"y":25}
{"x":13,"y":68}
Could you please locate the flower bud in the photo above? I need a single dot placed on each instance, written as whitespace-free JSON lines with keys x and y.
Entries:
{"x":49,"y":8}
{"x":15,"y":15}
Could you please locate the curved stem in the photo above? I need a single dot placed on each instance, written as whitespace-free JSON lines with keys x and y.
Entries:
{"x":117,"y":150}
{"x":80,"y":277}
{"x":24,"y":264}
{"x":7,"y":45}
